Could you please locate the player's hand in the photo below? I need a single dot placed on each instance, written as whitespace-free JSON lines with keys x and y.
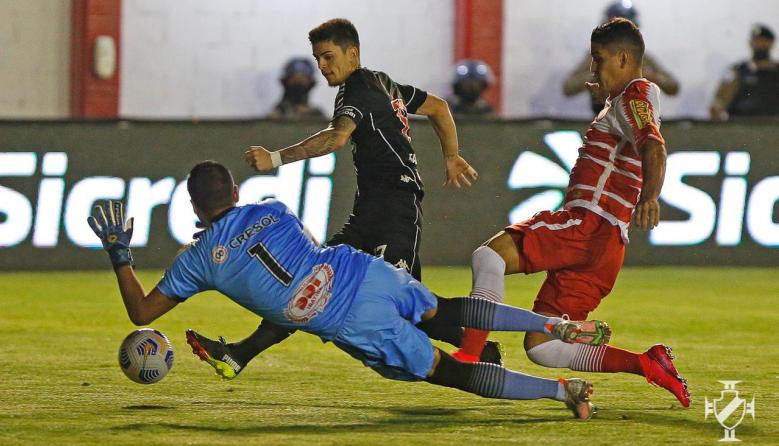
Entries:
{"x":258,"y":157}
{"x":647,"y":214}
{"x":598,"y":93}
{"x":459,"y":173}
{"x":108,"y":223}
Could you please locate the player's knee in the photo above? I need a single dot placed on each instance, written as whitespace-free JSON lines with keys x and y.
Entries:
{"x":436,"y":360}
{"x":429,"y":314}
{"x":553,"y":353}
{"x":533,"y":338}
{"x":506,"y":247}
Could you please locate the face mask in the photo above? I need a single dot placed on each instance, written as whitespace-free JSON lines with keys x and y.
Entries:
{"x":760,"y":54}
{"x":297,"y":93}
{"x":469,"y":95}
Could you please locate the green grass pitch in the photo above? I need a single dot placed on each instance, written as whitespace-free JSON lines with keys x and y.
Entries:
{"x":61,"y":383}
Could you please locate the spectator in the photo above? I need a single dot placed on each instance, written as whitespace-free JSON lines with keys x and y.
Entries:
{"x":298,"y":80}
{"x":576,"y":82}
{"x":750,"y":88}
{"x":471,"y":78}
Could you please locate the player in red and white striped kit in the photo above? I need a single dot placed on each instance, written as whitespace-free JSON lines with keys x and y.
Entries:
{"x":618,"y":175}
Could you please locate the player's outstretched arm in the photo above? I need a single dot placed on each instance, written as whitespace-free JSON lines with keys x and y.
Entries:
{"x":108,"y":223}
{"x":647,"y":213}
{"x":335,"y":136}
{"x":458,"y":171}
{"x":142,"y":308}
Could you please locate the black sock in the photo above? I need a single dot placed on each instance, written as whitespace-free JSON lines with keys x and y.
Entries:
{"x":451,"y":334}
{"x":451,"y":373}
{"x":485,"y":314}
{"x":493,"y":381}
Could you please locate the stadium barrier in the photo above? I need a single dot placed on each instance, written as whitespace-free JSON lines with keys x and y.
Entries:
{"x":720,"y":202}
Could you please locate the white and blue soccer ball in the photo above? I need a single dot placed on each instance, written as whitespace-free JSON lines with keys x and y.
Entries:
{"x":146,"y":356}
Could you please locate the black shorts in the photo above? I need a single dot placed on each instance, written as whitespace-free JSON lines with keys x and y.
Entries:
{"x":387,"y":223}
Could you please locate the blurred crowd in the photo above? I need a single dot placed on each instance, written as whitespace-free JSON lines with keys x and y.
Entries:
{"x":750,"y":88}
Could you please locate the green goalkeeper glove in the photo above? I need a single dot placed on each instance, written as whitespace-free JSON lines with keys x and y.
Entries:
{"x":108,"y":222}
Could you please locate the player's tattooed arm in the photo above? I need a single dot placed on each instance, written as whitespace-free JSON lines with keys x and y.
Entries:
{"x":335,"y":136}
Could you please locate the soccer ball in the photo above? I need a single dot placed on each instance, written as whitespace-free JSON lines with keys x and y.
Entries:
{"x":146,"y":356}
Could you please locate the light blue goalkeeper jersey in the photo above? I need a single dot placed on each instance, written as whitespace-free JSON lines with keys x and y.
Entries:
{"x":259,"y":256}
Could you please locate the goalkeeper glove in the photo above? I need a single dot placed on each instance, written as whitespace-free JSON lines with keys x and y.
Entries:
{"x":108,"y":222}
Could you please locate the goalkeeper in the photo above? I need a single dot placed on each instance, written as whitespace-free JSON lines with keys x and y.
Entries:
{"x":261,"y":257}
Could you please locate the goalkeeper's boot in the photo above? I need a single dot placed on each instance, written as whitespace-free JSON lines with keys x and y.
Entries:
{"x":492,"y":353}
{"x":581,"y":332}
{"x":657,"y":364}
{"x":577,"y":392}
{"x":216,"y":353}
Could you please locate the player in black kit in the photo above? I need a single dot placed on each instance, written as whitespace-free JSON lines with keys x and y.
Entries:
{"x":371,"y":110}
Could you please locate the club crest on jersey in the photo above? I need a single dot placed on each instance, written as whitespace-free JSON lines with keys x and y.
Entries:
{"x":219,"y":255}
{"x":402,"y":114}
{"x":641,"y":112}
{"x":312,"y":295}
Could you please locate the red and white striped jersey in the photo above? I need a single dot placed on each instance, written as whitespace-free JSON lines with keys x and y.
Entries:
{"x":606,"y":178}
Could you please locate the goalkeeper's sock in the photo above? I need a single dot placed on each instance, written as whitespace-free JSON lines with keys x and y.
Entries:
{"x":486,"y":315}
{"x":488,"y":272}
{"x":451,"y":334}
{"x":493,"y":381}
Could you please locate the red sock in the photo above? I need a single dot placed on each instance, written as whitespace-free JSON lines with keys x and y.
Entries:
{"x":473,"y":341}
{"x":605,"y":358}
{"x":618,"y":360}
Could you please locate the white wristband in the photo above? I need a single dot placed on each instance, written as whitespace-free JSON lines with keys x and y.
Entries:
{"x":275,"y":159}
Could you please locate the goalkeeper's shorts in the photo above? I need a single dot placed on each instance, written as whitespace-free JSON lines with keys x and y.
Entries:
{"x":380,"y":330}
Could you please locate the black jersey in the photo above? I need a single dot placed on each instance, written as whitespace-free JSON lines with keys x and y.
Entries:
{"x":381,"y":143}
